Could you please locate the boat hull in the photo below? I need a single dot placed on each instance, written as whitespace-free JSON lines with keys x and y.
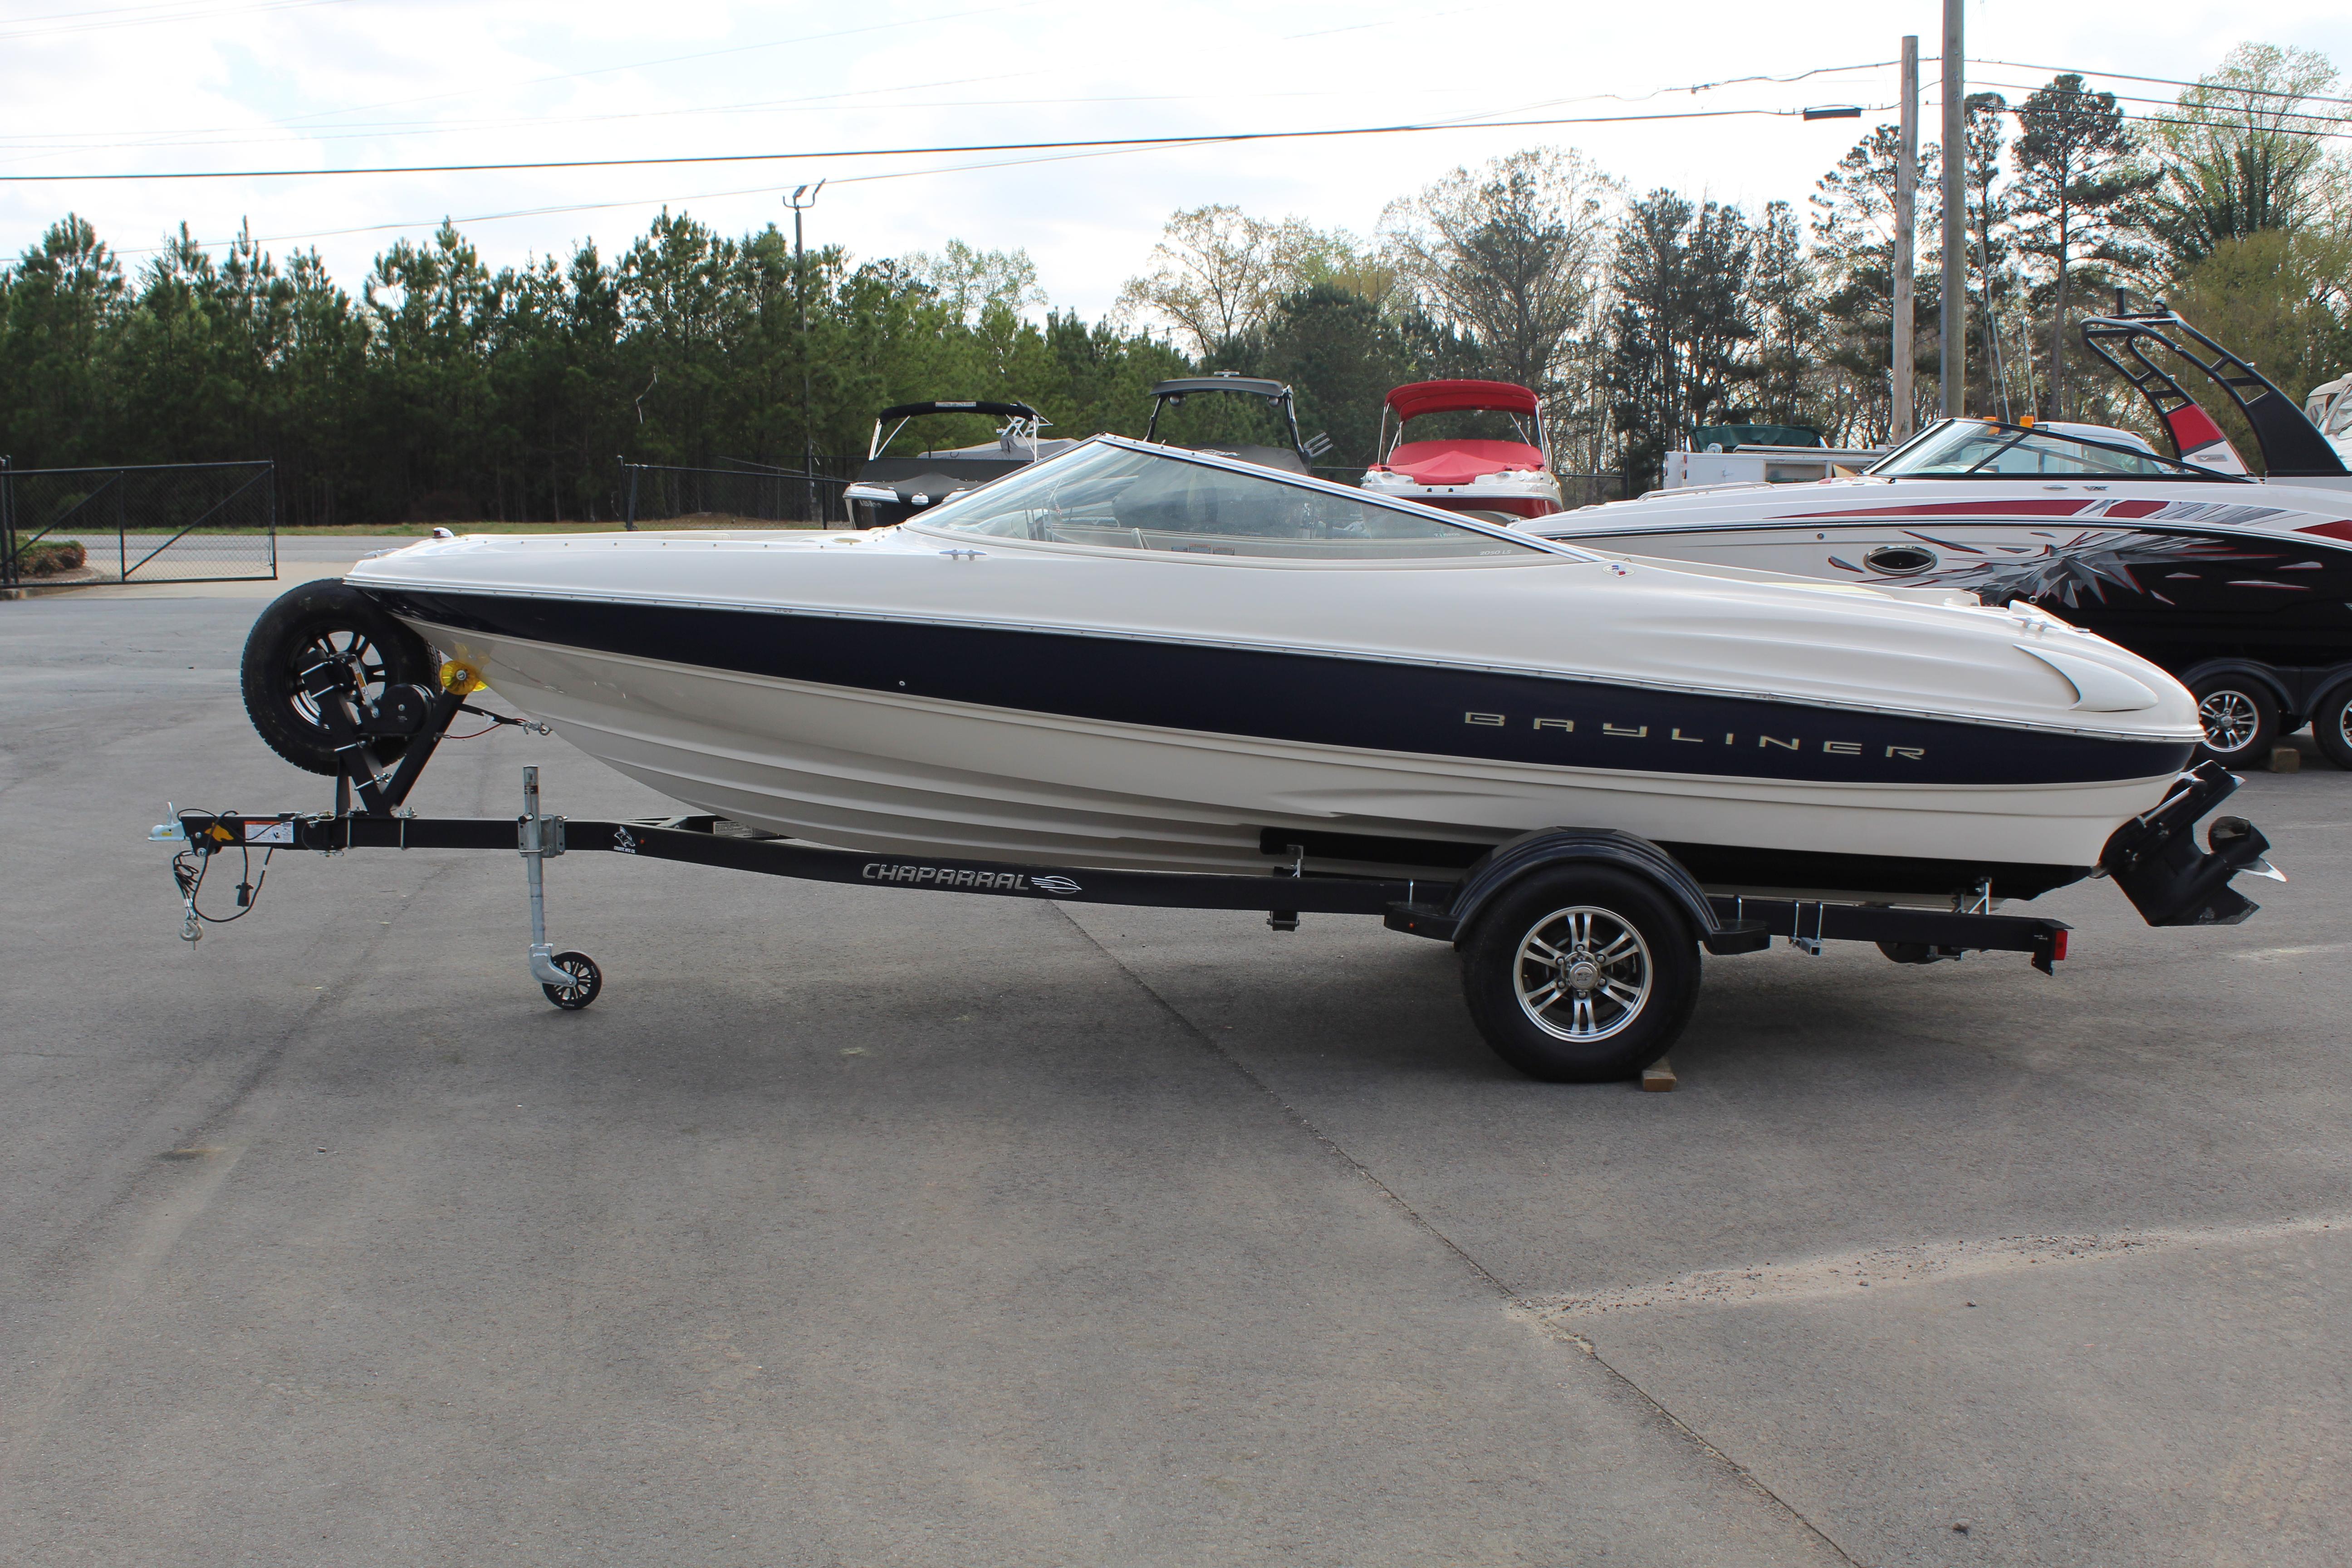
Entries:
{"x":1054,"y":747}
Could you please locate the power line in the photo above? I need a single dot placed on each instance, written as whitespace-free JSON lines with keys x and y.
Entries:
{"x":2169,"y":81}
{"x":1205,"y":139}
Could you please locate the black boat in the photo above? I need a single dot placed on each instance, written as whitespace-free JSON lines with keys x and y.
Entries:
{"x":2241,"y":588}
{"x":890,"y":489}
{"x":1296,"y":458}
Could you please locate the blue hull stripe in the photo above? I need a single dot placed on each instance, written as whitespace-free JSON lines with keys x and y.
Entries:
{"x":1320,"y":698}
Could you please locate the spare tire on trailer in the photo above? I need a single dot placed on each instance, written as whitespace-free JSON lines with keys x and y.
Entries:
{"x":323,"y":620}
{"x":1580,"y":974}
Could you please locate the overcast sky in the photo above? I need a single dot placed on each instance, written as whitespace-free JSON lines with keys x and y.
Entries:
{"x":115,"y":87}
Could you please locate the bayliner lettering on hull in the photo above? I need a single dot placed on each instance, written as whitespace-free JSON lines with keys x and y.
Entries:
{"x":965,"y":877}
{"x":1731,"y":738}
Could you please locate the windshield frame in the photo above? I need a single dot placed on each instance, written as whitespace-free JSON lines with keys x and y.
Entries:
{"x":926,"y":523}
{"x":2182,"y":472}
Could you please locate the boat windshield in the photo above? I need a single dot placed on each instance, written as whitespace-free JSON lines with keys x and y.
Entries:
{"x":1113,"y":496}
{"x":1982,"y":448}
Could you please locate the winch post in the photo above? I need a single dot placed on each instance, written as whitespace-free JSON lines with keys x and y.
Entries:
{"x":539,"y":837}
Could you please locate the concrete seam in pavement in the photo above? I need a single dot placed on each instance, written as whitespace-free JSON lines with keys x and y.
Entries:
{"x":1525,"y":1311}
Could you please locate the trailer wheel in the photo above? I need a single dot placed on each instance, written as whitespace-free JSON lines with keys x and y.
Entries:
{"x":587,"y":981}
{"x":317,"y":621}
{"x":1580,"y":975}
{"x":2241,"y":719}
{"x":2331,"y":726}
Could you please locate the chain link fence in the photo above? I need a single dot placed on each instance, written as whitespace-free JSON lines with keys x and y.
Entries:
{"x":743,"y":494}
{"x":185,"y":523}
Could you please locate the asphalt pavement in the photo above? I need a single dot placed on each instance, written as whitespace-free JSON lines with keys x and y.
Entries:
{"x":856,"y":1225}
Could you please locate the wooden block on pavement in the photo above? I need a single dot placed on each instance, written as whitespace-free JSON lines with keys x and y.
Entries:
{"x":1659,"y":1076}
{"x":2286,"y":759}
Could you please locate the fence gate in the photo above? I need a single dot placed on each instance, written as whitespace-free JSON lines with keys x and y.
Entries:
{"x":179,"y":522}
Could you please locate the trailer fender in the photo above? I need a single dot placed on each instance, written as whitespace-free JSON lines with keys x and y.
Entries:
{"x":1509,"y":862}
{"x":2248,"y":669}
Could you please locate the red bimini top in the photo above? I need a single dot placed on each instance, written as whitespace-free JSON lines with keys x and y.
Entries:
{"x":1421,"y":397}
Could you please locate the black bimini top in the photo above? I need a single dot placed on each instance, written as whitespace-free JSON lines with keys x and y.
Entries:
{"x":1255,"y":386}
{"x":1001,"y":410}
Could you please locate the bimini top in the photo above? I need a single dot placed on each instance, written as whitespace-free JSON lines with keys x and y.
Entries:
{"x":1001,"y":410}
{"x":1420,"y":397}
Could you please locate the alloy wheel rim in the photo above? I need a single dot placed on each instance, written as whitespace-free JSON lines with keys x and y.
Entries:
{"x":1583,"y":974}
{"x":354,"y":648}
{"x":2231,"y":719}
{"x":578,"y":987}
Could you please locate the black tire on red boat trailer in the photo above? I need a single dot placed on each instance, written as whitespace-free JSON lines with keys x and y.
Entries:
{"x":1580,"y":975}
{"x":316,"y":621}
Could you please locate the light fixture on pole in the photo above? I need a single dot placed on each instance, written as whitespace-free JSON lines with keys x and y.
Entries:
{"x":800,"y":290}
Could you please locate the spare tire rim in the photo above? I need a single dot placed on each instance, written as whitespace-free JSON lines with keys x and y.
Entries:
{"x":1583,"y":974}
{"x":366,"y":662}
{"x":2231,"y":719}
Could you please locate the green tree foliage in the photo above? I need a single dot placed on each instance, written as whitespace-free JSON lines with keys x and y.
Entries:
{"x":61,"y":301}
{"x":452,"y":390}
{"x":2076,"y":182}
{"x":1217,"y":275}
{"x":1683,"y":321}
{"x":2283,"y":300}
{"x":1508,"y":257}
{"x":1853,"y":256}
{"x":2242,"y":153}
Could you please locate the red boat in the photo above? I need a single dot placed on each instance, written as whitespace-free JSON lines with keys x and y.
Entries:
{"x":1498,"y":479}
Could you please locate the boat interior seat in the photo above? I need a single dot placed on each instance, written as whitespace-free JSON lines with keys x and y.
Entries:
{"x":1459,"y":462}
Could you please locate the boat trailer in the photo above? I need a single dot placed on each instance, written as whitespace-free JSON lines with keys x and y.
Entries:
{"x":1600,"y":921}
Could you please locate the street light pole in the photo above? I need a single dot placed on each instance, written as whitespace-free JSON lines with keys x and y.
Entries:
{"x":1955,"y":233}
{"x":1907,"y":241}
{"x":800,"y":287}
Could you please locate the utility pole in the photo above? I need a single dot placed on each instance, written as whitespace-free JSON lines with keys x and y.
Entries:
{"x":1906,"y":240}
{"x":1956,"y":215}
{"x":799,"y":285}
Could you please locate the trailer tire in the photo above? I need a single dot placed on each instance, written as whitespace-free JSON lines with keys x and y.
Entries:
{"x":2331,"y":726}
{"x":1614,"y":934}
{"x":2241,"y":716}
{"x":300,"y":628}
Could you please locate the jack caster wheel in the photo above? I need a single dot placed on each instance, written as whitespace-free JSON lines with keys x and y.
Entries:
{"x":587,"y":981}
